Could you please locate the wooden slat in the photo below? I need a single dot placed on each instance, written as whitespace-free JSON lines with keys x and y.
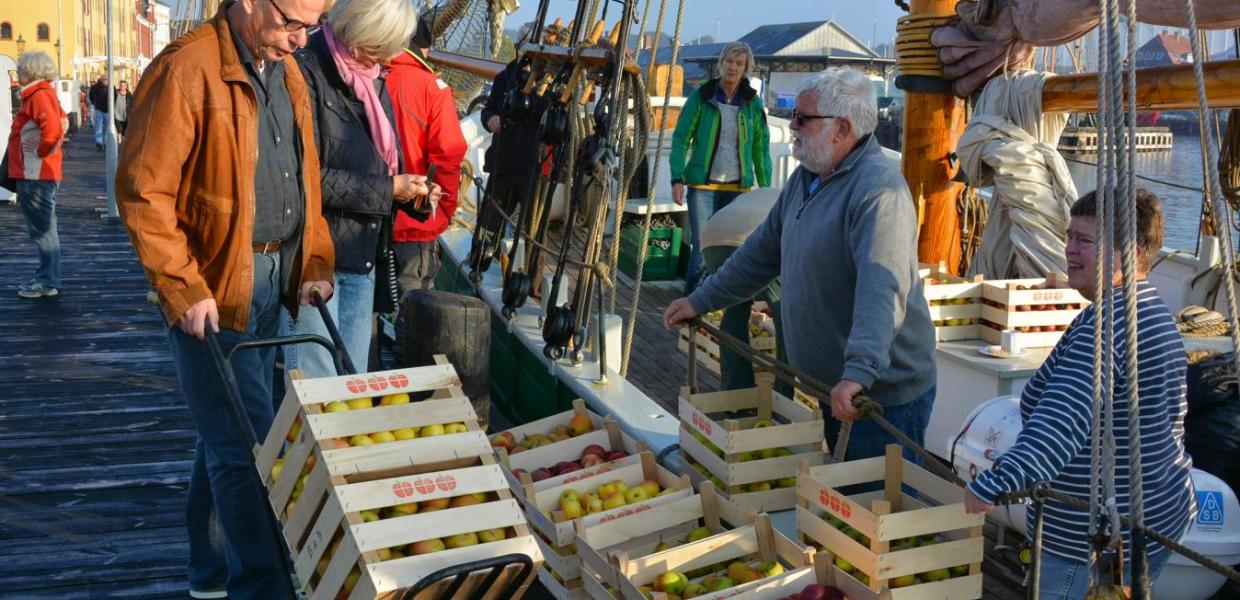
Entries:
{"x":407,"y":453}
{"x":386,"y":418}
{"x":383,"y":493}
{"x":397,"y":531}
{"x":419,"y":379}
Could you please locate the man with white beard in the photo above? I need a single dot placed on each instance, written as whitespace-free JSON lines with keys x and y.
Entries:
{"x":843,"y":239}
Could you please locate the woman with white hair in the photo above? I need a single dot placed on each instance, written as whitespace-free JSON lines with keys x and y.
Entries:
{"x":361,"y":165}
{"x":34,"y":153}
{"x":722,"y":130}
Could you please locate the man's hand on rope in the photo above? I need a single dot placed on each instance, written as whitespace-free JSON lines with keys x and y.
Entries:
{"x":974,"y":505}
{"x":842,"y":399}
{"x":678,"y":313}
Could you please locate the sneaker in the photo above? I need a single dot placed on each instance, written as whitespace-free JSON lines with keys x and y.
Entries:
{"x":210,"y":594}
{"x":37,"y":290}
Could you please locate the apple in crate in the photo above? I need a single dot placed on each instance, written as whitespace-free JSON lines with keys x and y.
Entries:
{"x":580,"y":424}
{"x":425,"y":547}
{"x":462,"y":540}
{"x":671,"y":582}
{"x":566,"y":466}
{"x":615,"y":455}
{"x":504,"y":440}
{"x":492,"y":535}
{"x":592,"y":460}
{"x":595,"y":449}
{"x":540,"y":474}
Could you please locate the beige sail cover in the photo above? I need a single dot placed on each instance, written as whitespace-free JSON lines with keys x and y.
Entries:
{"x":1009,"y":143}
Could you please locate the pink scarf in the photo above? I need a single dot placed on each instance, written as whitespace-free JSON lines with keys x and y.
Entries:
{"x":362,"y":82}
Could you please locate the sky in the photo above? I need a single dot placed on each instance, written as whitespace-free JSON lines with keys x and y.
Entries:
{"x":735,"y":18}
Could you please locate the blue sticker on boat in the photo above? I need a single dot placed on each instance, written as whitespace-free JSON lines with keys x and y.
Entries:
{"x":1209,"y":508}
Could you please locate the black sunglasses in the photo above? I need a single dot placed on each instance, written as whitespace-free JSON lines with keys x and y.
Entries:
{"x":293,"y":25}
{"x":800,"y":119}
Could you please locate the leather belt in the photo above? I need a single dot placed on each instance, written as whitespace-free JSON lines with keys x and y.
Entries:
{"x":267,"y":247}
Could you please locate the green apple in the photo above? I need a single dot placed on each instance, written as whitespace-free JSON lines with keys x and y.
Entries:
{"x":671,"y":582}
{"x":843,"y":565}
{"x":700,"y":533}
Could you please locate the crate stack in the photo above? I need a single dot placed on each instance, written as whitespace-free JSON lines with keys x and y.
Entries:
{"x":546,"y":459}
{"x":1035,"y":311}
{"x":750,"y":442}
{"x":376,"y":489}
{"x":761,"y":337}
{"x":955,"y":304}
{"x":886,"y":543}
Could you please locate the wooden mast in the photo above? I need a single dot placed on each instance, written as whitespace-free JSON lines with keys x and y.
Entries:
{"x":933,"y":122}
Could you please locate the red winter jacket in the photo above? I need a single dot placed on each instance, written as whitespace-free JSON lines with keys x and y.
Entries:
{"x":429,"y":132}
{"x":37,"y":133}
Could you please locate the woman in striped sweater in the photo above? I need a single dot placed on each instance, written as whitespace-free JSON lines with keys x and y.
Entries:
{"x":1057,"y":410}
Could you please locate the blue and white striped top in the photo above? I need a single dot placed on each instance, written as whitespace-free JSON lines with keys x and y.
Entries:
{"x":1057,"y":413}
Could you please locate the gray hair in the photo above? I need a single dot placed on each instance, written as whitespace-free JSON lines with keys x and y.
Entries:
{"x":35,"y":65}
{"x":385,"y":25}
{"x":736,"y":48}
{"x":845,"y":93}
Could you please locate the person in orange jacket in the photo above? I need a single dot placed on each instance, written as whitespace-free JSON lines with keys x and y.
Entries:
{"x":430,"y":134}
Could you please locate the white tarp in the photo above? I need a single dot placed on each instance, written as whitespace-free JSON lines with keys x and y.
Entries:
{"x":1010,"y":144}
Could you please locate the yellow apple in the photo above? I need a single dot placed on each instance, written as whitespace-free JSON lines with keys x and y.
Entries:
{"x":431,"y":430}
{"x":843,"y":565}
{"x":462,"y":540}
{"x":613,"y":501}
{"x":455,"y":428}
{"x":425,"y":547}
{"x":903,"y":580}
{"x":466,"y":500}
{"x":337,"y":406}
{"x":360,"y":403}
{"x":391,"y":399}
{"x":593,"y":503}
{"x":580,"y":424}
{"x":492,"y":535}
{"x":606,"y":490}
{"x":350,"y":582}
{"x":381,"y":437}
{"x":277,"y":468}
{"x":748,"y":576}
{"x":361,"y":440}
{"x":569,"y":494}
{"x":294,"y":430}
{"x":619,"y":486}
{"x":770,"y":568}
{"x":369,"y":515}
{"x":671,"y":582}
{"x":572,"y":508}
{"x":636,"y":494}
{"x":405,"y":433}
{"x":404,"y":509}
{"x":436,"y":504}
{"x":661,"y":546}
{"x":763,"y":423}
{"x":651,"y":487}
{"x":700,"y":533}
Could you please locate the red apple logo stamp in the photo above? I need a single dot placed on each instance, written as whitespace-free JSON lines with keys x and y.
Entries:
{"x":377,"y":383}
{"x":446,"y":483}
{"x":424,"y":486}
{"x":356,"y":386}
{"x":402,"y":489}
{"x":398,"y":380}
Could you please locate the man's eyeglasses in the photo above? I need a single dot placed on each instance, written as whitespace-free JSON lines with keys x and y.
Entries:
{"x":800,"y":119}
{"x":293,"y":25}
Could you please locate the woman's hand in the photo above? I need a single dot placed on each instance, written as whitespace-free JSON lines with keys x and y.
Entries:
{"x":494,"y":123}
{"x":678,"y":194}
{"x":406,"y":187}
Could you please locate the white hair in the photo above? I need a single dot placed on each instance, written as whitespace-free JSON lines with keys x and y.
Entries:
{"x":35,"y":65}
{"x":736,"y":48}
{"x":845,"y":93}
{"x":385,"y":25}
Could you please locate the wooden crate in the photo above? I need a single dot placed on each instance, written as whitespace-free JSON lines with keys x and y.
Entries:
{"x":669,"y":523}
{"x":955,"y":303}
{"x":332,"y":513}
{"x":1038,"y":315}
{"x":708,"y":345}
{"x":798,"y":429}
{"x":543,"y":511}
{"x":520,"y":466}
{"x":755,"y":540}
{"x":561,"y":590}
{"x":877,"y":519}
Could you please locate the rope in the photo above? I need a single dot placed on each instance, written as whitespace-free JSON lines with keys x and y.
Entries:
{"x":1220,"y":208}
{"x":631,"y":324}
{"x":973,"y":214}
{"x":599,"y":268}
{"x":914,"y":54}
{"x":867,"y":408}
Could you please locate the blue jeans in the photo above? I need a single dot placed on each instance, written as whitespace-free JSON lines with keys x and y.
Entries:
{"x":868,"y":440}
{"x":1064,"y":579}
{"x":223,"y":478}
{"x":352,"y":307}
{"x":702,"y":204}
{"x":101,"y":120}
{"x":37,"y":198}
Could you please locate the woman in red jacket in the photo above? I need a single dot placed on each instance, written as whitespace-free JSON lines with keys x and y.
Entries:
{"x":430,"y":134}
{"x":35,"y":155}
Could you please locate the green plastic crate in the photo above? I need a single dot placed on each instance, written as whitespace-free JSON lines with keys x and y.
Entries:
{"x":662,"y":254}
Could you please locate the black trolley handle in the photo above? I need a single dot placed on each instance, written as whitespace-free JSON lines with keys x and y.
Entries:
{"x":457,"y":574}
{"x":340,"y":354}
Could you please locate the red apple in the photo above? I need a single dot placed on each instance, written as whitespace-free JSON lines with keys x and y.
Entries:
{"x":503,"y":440}
{"x":540,"y":474}
{"x":594,"y":449}
{"x":566,"y":466}
{"x":591,"y":460}
{"x":517,"y":473}
{"x":814,"y":591}
{"x":615,"y":455}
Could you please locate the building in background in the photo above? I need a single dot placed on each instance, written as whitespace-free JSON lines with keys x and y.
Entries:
{"x":40,"y":25}
{"x":163,"y":27}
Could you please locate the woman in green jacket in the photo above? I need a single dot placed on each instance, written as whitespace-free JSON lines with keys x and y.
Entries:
{"x":723,"y":134}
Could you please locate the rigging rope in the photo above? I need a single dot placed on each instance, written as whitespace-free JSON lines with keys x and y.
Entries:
{"x":631,"y":323}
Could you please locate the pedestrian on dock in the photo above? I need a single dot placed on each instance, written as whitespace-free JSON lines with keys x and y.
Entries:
{"x":218,"y":186}
{"x":842,"y":238}
{"x":430,"y":134}
{"x":1057,"y":408}
{"x":721,"y":147}
{"x":35,"y":151}
{"x":121,"y":109}
{"x":362,"y":176}
{"x":99,"y":104}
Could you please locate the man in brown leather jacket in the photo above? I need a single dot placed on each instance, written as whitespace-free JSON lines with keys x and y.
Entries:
{"x":218,"y":186}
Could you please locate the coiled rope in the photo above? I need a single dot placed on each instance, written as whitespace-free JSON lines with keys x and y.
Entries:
{"x":914,"y":54}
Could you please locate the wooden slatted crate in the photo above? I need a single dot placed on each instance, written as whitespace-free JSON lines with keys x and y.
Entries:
{"x":670,"y":524}
{"x":898,"y":547}
{"x":708,"y":346}
{"x":955,"y":303}
{"x":368,"y":521}
{"x":754,"y":541}
{"x":755,"y":466}
{"x":523,"y":465}
{"x":1037,"y":310}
